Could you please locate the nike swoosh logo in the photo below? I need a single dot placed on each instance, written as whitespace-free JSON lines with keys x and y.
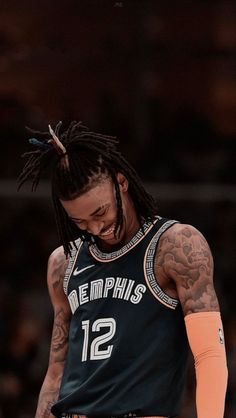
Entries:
{"x":76,"y":271}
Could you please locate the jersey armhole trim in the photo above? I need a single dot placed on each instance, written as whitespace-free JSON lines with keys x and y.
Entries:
{"x":74,"y":254}
{"x":149,"y":275}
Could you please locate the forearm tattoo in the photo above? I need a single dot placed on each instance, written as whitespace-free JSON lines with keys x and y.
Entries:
{"x":59,"y":337}
{"x":59,"y":342}
{"x":61,"y":318}
{"x":185,"y":257}
{"x":46,"y":401}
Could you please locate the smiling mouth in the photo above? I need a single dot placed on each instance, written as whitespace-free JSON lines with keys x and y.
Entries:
{"x":107,"y":231}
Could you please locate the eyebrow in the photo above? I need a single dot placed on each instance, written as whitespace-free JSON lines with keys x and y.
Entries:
{"x":91,"y":214}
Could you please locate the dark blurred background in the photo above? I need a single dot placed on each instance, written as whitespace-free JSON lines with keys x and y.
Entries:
{"x":159,"y":75}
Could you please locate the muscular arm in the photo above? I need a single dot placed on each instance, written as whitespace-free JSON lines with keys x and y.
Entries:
{"x":185,"y":257}
{"x":49,"y":392}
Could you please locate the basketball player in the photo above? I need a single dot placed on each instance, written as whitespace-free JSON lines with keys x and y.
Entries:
{"x":130,"y":290}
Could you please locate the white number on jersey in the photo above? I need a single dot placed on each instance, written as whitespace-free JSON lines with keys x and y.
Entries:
{"x":96,"y":353}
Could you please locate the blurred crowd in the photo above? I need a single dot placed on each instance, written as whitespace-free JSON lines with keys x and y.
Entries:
{"x":147,"y":75}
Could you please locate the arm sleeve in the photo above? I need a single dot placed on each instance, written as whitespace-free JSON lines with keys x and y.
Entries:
{"x":206,"y":339}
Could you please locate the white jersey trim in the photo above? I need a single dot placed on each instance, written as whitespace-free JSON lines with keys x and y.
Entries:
{"x":149,"y":269}
{"x":106,"y":257}
{"x":74,"y":252}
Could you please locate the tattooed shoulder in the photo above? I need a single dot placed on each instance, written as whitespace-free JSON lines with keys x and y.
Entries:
{"x":185,"y":257}
{"x":57,"y":265}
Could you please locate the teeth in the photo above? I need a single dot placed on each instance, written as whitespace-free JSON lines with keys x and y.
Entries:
{"x":108,"y":231}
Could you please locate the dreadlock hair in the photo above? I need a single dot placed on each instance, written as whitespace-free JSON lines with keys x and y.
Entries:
{"x":82,"y":161}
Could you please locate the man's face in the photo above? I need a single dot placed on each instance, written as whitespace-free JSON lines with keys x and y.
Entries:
{"x":96,"y":212}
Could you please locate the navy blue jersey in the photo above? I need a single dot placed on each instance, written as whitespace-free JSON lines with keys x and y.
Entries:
{"x":127,"y":341}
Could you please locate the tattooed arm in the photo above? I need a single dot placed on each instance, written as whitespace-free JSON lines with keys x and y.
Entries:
{"x":49,"y":392}
{"x":184,"y":259}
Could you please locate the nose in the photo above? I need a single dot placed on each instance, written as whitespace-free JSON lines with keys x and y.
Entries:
{"x":94,"y":227}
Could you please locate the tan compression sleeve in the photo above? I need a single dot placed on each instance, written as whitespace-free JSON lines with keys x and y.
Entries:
{"x":206,"y":339}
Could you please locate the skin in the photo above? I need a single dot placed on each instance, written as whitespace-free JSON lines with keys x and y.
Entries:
{"x":95,"y":211}
{"x":183,"y":265}
{"x":59,"y":343}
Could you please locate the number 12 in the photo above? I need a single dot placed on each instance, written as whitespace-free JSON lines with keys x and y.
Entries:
{"x":96,"y":353}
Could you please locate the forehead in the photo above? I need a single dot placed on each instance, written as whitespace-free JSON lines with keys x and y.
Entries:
{"x":97,"y":196}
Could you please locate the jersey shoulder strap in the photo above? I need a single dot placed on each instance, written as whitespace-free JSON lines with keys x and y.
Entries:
{"x":74,"y":252}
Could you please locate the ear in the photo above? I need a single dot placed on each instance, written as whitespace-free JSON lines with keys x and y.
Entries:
{"x":123,"y":182}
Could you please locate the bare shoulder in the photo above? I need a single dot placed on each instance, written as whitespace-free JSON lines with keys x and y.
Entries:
{"x":184,"y":256}
{"x":181,"y":235}
{"x":57,"y":265}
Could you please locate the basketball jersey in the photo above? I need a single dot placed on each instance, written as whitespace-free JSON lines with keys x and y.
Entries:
{"x":127,"y":341}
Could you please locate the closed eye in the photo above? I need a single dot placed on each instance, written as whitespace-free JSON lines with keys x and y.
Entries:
{"x":97,"y":214}
{"x":101,"y":213}
{"x":78,"y":222}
